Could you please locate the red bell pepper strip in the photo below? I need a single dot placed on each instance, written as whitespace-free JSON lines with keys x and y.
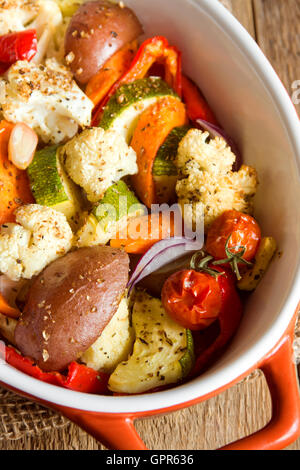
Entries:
{"x":84,"y":379}
{"x":229,"y":319}
{"x":151,"y":51}
{"x":17,"y":46}
{"x":27,"y":366}
{"x":3,"y":68}
{"x":79,"y":377}
{"x":196,"y":105}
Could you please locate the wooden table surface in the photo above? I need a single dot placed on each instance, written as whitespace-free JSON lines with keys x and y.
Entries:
{"x":244,"y":408}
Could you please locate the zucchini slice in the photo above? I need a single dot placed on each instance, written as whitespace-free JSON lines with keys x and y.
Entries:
{"x":164,"y":170}
{"x":118,"y":203}
{"x":163,"y":351}
{"x":130,"y":100}
{"x":163,"y":164}
{"x":252,"y":277}
{"x":51,"y":186}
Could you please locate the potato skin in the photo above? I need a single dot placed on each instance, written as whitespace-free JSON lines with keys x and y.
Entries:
{"x":70,"y":303}
{"x":96,"y":31}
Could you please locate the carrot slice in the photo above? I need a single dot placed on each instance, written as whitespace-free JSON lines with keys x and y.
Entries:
{"x":14,"y":184}
{"x":7,"y":310}
{"x":153,"y":127}
{"x":142,"y":232}
{"x":113,"y":69}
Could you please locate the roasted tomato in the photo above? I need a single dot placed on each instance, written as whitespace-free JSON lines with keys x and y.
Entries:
{"x":193,"y":299}
{"x":197,"y":299}
{"x":228,"y":321}
{"x":235,"y":231}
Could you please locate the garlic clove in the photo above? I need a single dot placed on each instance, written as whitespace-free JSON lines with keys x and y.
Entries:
{"x":22,"y":145}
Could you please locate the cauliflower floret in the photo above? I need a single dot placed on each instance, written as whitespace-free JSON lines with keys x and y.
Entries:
{"x":49,"y":15}
{"x":16,"y":14}
{"x":40,"y":236}
{"x":46,"y":98}
{"x":14,"y":240}
{"x":56,"y":45}
{"x":46,"y":24}
{"x":96,"y":159}
{"x":207,"y":186}
{"x":194,"y":151}
{"x":42,"y":15}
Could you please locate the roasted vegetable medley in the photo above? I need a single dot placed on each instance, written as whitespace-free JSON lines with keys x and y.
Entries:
{"x":128,"y":243}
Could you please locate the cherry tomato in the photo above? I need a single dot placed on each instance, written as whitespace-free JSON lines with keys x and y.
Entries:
{"x":197,"y":299}
{"x":193,"y":299}
{"x":229,"y":320}
{"x":240,"y":230}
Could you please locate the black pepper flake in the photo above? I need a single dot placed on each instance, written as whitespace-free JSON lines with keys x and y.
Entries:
{"x":168,"y":340}
{"x":143,"y":341}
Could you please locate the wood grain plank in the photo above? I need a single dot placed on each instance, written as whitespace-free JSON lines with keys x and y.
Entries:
{"x":245,"y":407}
{"x":208,"y":425}
{"x":278,"y":34}
{"x":231,"y":415}
{"x":243,"y":11}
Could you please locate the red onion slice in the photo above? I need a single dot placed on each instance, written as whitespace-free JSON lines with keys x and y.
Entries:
{"x":161,"y":254}
{"x":216,"y":131}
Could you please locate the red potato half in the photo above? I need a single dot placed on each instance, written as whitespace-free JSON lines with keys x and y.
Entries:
{"x":70,"y":303}
{"x":96,"y":31}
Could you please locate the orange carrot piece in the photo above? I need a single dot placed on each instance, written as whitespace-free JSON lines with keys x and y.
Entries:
{"x":7,"y":310}
{"x":113,"y":69}
{"x":14,"y":184}
{"x":153,"y":127}
{"x":148,"y":229}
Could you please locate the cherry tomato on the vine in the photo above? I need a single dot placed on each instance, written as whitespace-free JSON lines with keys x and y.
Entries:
{"x":229,"y":319}
{"x":196,"y":299}
{"x":193,"y":299}
{"x":237,"y":230}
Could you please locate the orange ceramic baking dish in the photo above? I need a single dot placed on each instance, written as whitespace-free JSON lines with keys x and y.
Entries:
{"x":254,"y":108}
